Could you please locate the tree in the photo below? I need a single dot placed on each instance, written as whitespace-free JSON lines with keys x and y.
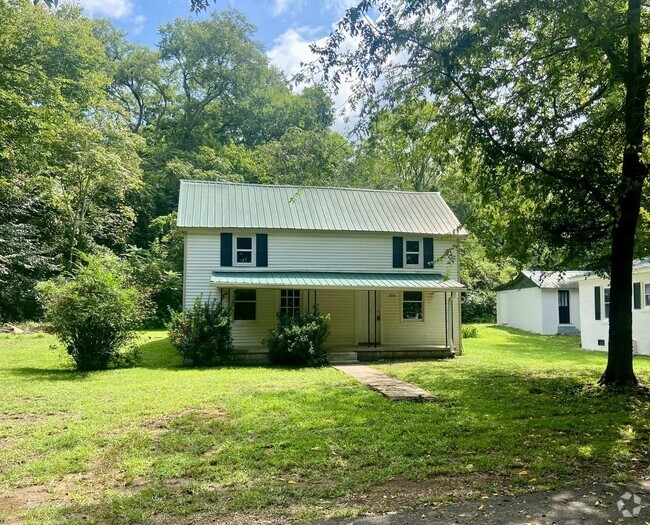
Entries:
{"x":551,"y":96}
{"x":406,"y":150}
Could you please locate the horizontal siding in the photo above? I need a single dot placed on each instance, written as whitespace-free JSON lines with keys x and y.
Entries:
{"x":431,"y":331}
{"x":318,"y":251}
{"x":249,"y":334}
{"x":201,"y":259}
{"x":340,"y":305}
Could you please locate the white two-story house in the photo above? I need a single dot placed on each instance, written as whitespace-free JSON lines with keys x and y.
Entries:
{"x":383,"y":264}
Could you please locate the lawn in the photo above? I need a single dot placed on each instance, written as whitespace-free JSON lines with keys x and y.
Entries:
{"x":164,"y":443}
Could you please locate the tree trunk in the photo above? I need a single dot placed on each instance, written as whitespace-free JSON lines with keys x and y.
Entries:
{"x":620,"y":371}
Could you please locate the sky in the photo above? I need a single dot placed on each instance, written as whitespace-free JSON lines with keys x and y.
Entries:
{"x":285,"y":27}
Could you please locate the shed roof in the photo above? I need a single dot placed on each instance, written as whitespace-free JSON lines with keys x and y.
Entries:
{"x":543,"y":279}
{"x":347,"y":280}
{"x":207,"y":204}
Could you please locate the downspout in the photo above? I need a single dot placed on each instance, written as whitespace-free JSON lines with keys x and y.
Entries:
{"x":452,"y":345}
{"x":446,"y":324}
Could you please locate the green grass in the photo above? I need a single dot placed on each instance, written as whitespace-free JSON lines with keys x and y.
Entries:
{"x":162,"y":441}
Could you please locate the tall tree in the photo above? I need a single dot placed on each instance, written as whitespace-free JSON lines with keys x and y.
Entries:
{"x":551,"y":95}
{"x":56,"y":123}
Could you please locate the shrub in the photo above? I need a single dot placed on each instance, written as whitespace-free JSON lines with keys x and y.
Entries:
{"x":203,"y":333}
{"x":299,"y":340}
{"x":94,"y":311}
{"x":470,"y":332}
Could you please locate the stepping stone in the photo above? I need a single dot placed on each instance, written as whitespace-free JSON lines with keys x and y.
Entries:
{"x":390,"y":387}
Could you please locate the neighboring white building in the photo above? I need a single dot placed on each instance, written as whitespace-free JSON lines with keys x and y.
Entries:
{"x":594,"y":307}
{"x":383,"y":264}
{"x":540,"y":302}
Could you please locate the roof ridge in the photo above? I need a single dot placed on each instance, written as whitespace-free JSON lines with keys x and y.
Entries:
{"x":293,"y":186}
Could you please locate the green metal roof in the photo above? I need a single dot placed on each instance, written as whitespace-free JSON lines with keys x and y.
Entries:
{"x":207,"y":204}
{"x":358,"y":281}
{"x":543,"y":279}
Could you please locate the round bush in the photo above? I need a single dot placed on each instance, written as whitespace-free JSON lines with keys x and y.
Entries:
{"x":299,"y":340}
{"x":203,"y":333}
{"x":94,"y":312}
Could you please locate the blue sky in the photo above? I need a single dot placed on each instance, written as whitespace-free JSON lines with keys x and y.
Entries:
{"x":285,"y":27}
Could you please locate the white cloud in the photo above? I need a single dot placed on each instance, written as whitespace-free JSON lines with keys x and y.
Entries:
{"x":340,"y":6}
{"x":279,"y":7}
{"x":115,"y":9}
{"x":138,"y":24}
{"x":291,"y":49}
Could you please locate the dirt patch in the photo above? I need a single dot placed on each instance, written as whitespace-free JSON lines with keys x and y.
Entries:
{"x":32,"y":417}
{"x":15,"y":502}
{"x":201,"y":415}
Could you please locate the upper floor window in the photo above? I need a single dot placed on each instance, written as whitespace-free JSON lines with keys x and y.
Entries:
{"x":412,"y":256}
{"x":606,"y":295}
{"x":245,"y":305}
{"x":290,"y":302}
{"x":244,"y":250}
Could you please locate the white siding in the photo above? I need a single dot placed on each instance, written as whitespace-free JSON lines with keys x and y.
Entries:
{"x":430,"y":331}
{"x":340,"y":304}
{"x":249,"y":334}
{"x":593,"y":330}
{"x":524,"y":309}
{"x":551,"y":312}
{"x":322,"y":251}
{"x":326,"y":251}
{"x":201,"y":258}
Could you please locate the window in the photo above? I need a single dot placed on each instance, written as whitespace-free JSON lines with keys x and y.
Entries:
{"x":412,"y":306}
{"x":290,"y":302}
{"x":244,"y":250}
{"x":647,"y":294}
{"x":245,"y":305}
{"x":412,"y":253}
{"x":606,"y":302}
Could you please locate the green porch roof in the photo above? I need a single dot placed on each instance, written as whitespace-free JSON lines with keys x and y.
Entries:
{"x":358,"y":281}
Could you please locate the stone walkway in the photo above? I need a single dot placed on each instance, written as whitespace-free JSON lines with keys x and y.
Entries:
{"x":392,"y":388}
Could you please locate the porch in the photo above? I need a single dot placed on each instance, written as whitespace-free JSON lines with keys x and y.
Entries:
{"x":372,"y":316}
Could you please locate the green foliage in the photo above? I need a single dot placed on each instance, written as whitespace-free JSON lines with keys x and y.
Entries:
{"x":470,"y":332}
{"x":67,"y":162}
{"x":94,"y":311}
{"x":202,"y":334}
{"x":481,"y":275}
{"x":157,"y":269}
{"x":299,"y":339}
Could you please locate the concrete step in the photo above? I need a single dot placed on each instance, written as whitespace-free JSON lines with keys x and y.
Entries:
{"x":567,"y":330}
{"x":340,"y":358}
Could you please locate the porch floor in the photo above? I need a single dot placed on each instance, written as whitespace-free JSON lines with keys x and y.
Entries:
{"x":380,"y":352}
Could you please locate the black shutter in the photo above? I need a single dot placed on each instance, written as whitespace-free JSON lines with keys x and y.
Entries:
{"x":226,"y":249}
{"x":597,"y":303}
{"x":262,"y":249}
{"x":637,"y":296}
{"x":428,"y":252}
{"x":398,"y":252}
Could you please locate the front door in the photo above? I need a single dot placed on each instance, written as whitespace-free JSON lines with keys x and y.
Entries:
{"x":368,"y":317}
{"x":563,"y":306}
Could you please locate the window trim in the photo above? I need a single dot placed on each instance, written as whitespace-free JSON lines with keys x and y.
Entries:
{"x":407,"y":252}
{"x":296,"y":308}
{"x":421,"y":301}
{"x":646,"y":294}
{"x":606,"y":304}
{"x":252,"y":250}
{"x":235,"y":301}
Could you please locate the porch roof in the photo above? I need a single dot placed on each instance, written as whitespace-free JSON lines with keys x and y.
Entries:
{"x":359,"y":281}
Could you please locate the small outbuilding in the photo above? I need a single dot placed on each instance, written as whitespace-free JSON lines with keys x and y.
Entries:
{"x":542,"y":302}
